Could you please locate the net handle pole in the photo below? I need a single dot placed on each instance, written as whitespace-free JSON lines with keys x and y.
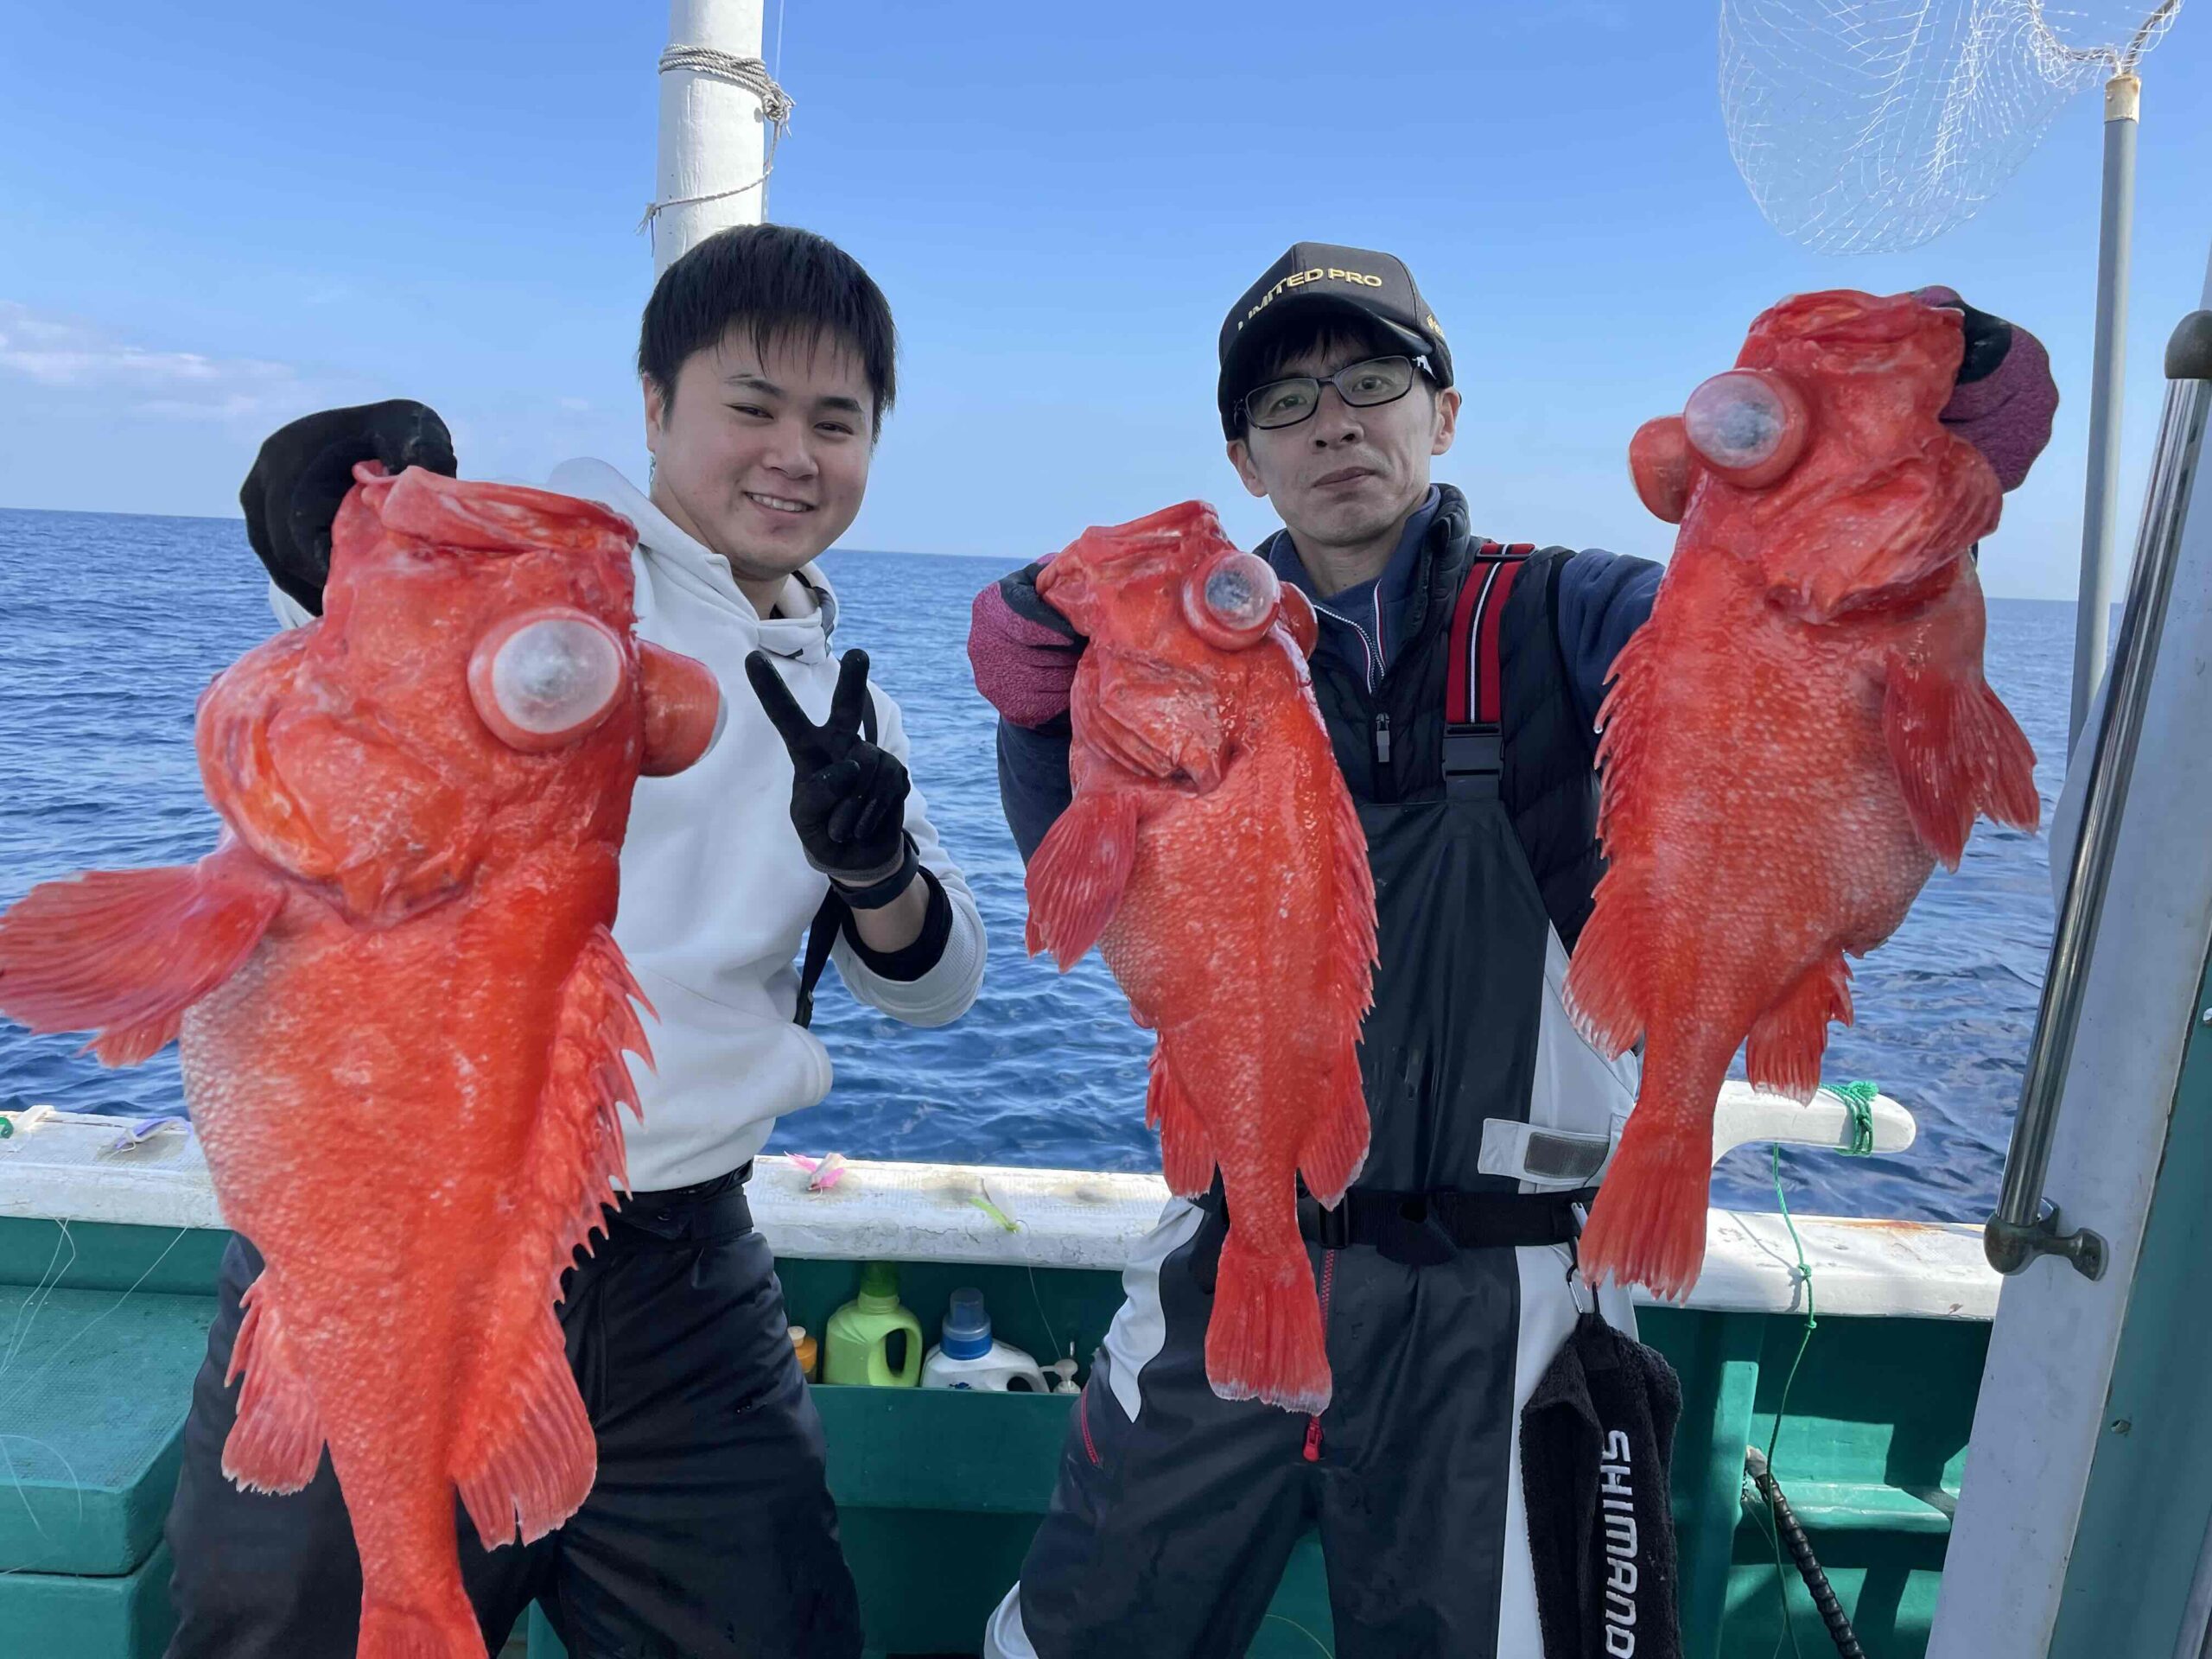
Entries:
{"x":2108,"y":375}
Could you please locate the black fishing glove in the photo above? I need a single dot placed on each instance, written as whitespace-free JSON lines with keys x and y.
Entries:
{"x":304,"y":470}
{"x":848,"y":797}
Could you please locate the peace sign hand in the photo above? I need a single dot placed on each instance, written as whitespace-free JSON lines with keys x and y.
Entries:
{"x":847,"y":796}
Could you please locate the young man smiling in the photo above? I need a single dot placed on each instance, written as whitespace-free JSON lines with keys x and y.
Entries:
{"x":766,"y":359}
{"x":1459,"y":680}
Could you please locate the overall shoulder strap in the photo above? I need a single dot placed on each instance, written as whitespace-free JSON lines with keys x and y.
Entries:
{"x":830,"y":920}
{"x":1473,"y":695}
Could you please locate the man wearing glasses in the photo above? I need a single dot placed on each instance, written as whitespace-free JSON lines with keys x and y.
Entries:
{"x":1459,"y":680}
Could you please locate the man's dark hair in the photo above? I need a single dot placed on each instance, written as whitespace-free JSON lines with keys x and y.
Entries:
{"x":781,"y":284}
{"x":1330,"y":333}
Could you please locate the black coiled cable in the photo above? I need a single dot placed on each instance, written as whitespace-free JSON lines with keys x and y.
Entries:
{"x":1800,"y":1551}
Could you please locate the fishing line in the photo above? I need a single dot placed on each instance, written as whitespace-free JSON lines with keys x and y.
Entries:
{"x":48,"y":1280}
{"x":1038,"y":1296}
{"x":76,"y":1484}
{"x":1858,"y":1098}
{"x":48,"y":1283}
{"x":1782,"y":1407}
{"x":1303,"y":1631}
{"x":54,"y":1358}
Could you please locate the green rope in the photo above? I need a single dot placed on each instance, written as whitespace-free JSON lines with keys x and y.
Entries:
{"x":1857,"y":1100}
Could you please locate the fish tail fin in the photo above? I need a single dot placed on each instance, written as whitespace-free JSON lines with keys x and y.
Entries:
{"x":1336,"y":1147}
{"x":1186,"y":1155}
{"x":1265,"y":1341}
{"x":123,"y":953}
{"x":1648,"y":1224}
{"x":1787,"y":1040}
{"x":1958,"y":753}
{"x":276,"y":1441}
{"x":394,"y":1632}
{"x":1605,"y":976}
{"x":1078,"y":872}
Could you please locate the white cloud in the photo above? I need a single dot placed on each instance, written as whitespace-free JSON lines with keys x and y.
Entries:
{"x":65,"y":355}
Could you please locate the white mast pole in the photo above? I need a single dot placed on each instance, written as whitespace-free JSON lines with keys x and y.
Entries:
{"x":714,"y":127}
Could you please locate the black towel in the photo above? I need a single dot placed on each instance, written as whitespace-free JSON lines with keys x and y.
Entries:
{"x":1597,"y":1438}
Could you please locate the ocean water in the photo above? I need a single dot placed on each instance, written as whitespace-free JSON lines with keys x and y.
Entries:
{"x":111,"y":625}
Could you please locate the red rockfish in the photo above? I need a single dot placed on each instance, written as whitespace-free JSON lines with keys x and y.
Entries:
{"x":402,"y":1014}
{"x":1214,"y":855}
{"x":1792,"y":741}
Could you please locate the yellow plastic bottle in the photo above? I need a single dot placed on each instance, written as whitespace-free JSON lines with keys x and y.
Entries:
{"x":856,"y":1347}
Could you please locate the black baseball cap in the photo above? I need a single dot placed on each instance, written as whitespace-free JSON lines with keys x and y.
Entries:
{"x":1317,"y":277}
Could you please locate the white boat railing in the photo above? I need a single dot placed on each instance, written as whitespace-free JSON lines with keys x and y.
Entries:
{"x":62,"y":1170}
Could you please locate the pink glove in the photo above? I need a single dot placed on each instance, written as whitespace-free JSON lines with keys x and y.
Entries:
{"x":1024,"y":652}
{"x":2004,"y":397}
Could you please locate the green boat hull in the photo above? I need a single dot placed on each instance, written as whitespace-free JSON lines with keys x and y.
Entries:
{"x":939,"y":1492}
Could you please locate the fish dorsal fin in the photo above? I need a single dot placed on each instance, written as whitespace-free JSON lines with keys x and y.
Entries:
{"x":1351,"y":938}
{"x":525,"y":1458}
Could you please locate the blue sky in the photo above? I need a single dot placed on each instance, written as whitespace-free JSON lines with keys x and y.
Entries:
{"x":205,"y":231}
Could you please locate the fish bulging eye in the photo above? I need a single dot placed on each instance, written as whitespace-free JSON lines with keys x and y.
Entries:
{"x":542,"y":680}
{"x":1232,"y":601}
{"x":1748,"y":424}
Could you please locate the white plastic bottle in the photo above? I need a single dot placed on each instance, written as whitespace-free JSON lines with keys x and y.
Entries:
{"x":968,"y":1358}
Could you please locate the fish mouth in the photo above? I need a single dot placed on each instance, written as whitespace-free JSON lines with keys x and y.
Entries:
{"x":1342,"y":475}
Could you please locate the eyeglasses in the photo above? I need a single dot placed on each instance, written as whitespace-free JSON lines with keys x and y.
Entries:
{"x":1363,"y":385}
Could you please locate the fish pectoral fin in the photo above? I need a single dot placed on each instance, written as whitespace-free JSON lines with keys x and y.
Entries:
{"x":526,"y":1456}
{"x":123,"y":953}
{"x":276,"y":1443}
{"x":1958,"y":753}
{"x":1788,"y":1039}
{"x":1187,"y":1156}
{"x":1078,"y":872}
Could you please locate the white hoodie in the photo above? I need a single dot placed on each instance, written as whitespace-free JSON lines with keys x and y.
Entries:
{"x":716,"y":893}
